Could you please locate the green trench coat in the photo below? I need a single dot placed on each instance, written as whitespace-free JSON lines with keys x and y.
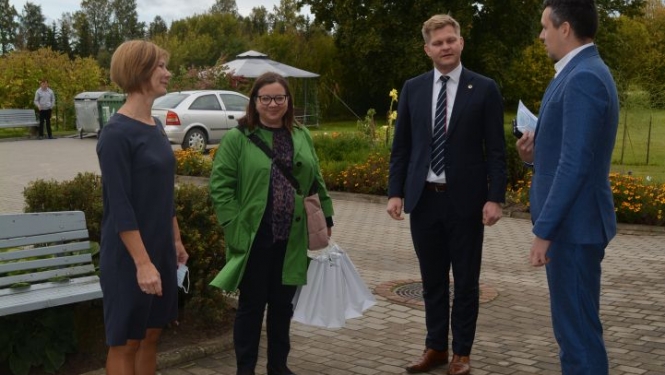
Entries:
{"x":239,"y":185}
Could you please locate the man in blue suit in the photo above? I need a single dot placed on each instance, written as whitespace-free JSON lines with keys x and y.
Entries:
{"x":451,"y":176}
{"x":571,"y":198}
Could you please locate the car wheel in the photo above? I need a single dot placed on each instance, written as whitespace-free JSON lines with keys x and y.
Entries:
{"x":195,"y":139}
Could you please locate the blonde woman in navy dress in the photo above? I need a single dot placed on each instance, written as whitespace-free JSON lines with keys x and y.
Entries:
{"x":140,"y":242}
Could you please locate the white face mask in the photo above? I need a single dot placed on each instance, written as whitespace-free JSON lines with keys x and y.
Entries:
{"x":182,"y":273}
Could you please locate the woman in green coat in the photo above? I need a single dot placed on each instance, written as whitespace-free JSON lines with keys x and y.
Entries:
{"x":264,"y":220}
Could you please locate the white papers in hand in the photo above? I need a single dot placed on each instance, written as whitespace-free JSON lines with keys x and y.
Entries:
{"x":526,"y":121}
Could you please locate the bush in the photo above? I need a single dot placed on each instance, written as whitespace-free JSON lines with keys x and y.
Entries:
{"x":193,"y":163}
{"x":204,"y":241}
{"x":636,"y":201}
{"x":38,"y":339}
{"x":83,"y":193}
{"x":342,"y":147}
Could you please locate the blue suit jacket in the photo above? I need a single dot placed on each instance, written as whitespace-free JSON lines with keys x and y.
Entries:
{"x":475,"y":147}
{"x":571,"y":197}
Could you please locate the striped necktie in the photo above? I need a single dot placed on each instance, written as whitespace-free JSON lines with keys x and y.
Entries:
{"x":439,"y":131}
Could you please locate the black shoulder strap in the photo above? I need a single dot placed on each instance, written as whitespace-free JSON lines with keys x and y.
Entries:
{"x":282,"y":167}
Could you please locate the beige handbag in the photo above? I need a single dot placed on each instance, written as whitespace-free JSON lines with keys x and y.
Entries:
{"x":317,"y":228}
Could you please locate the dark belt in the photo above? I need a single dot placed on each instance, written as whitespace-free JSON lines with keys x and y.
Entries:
{"x":433,"y":186}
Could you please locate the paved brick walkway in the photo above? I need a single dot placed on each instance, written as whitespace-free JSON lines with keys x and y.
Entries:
{"x":514,"y":331}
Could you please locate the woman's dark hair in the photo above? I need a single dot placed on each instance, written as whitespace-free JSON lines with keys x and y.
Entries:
{"x":251,"y":119}
{"x":582,"y":16}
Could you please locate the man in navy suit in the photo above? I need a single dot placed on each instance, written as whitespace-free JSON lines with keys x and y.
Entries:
{"x":449,"y":198}
{"x":571,"y":198}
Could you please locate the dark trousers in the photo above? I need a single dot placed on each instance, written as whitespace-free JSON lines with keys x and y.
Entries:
{"x":45,"y":117}
{"x":262,"y":285}
{"x":573,"y":275}
{"x":443,"y":239}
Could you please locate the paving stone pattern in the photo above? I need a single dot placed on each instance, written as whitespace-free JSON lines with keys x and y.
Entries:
{"x":514,"y":333}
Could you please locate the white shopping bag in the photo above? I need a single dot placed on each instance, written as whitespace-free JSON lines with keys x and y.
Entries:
{"x":321,"y":302}
{"x":334,"y":291}
{"x":359,"y":297}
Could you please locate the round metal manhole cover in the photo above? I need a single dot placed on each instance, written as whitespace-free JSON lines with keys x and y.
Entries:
{"x":410,"y":292}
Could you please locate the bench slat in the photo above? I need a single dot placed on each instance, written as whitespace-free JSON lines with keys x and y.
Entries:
{"x":42,"y":251}
{"x":44,"y":238}
{"x":46,"y":275}
{"x":49,"y":295}
{"x":45,"y":263}
{"x":33,"y":224}
{"x":10,"y":118}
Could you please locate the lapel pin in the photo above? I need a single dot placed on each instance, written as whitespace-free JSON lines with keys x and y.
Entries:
{"x":470,"y":86}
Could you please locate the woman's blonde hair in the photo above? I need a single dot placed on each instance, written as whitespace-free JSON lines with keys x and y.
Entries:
{"x":133,"y":62}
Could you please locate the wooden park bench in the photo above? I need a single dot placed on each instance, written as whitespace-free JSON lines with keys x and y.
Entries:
{"x":14,"y":118}
{"x":45,"y":261}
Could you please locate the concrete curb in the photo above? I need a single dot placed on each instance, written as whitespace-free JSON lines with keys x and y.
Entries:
{"x":185,"y":354}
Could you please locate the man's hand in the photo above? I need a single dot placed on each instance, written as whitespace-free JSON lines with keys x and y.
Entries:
{"x":492,"y":212}
{"x":538,"y":255}
{"x":524,"y":147}
{"x":394,"y":208}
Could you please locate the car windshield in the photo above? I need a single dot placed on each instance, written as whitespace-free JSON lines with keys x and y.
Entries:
{"x":169,"y":101}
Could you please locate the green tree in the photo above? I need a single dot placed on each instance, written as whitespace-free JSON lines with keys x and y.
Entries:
{"x":225,"y":6}
{"x":257,"y":21}
{"x":8,"y":26}
{"x":201,"y":40}
{"x":653,"y":68}
{"x":83,"y":41}
{"x":527,"y":76}
{"x":64,"y":37}
{"x":32,"y":29}
{"x":157,"y":27}
{"x":286,"y":18}
{"x":501,"y":30}
{"x":98,"y":16}
{"x":51,"y":37}
{"x":125,"y":24}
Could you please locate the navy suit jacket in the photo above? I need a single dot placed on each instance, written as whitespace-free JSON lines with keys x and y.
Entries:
{"x":571,"y":197}
{"x":474,"y":153}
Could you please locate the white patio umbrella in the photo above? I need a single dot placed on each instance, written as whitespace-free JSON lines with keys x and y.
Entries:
{"x":252,"y":64}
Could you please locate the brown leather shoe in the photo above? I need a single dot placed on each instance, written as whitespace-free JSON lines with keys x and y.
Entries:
{"x":460,"y":365}
{"x":430,"y":359}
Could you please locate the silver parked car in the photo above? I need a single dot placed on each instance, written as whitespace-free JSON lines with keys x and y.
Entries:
{"x":194,"y":119}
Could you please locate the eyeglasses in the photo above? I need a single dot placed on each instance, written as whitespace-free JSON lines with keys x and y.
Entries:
{"x":266,"y":99}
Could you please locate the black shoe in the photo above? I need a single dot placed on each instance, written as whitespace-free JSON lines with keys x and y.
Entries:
{"x":50,"y":137}
{"x":281,"y":371}
{"x":245,"y":372}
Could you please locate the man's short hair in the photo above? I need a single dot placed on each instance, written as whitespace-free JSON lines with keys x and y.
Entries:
{"x":133,"y":62}
{"x":582,"y":16}
{"x":436,"y":22}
